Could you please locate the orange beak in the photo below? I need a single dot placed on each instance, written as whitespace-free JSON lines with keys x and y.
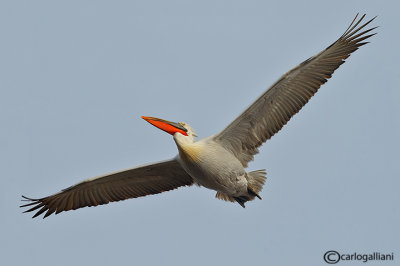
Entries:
{"x":167,"y":126}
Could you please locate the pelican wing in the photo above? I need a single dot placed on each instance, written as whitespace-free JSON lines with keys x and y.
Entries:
{"x":131,"y":183}
{"x":270,"y":112}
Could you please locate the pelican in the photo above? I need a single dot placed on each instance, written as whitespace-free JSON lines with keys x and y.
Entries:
{"x":217,"y":162}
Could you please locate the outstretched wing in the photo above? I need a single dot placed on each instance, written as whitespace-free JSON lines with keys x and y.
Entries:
{"x":131,"y":183}
{"x":270,"y":112}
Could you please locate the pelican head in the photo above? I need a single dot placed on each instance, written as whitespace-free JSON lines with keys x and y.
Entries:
{"x":172,"y":128}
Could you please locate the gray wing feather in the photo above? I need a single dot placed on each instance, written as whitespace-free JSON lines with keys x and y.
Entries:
{"x":131,"y":183}
{"x":270,"y":112}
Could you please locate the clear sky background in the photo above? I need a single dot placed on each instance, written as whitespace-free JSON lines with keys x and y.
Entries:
{"x":75,"y":77}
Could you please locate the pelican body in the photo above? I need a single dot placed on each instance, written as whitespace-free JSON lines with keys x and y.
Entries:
{"x":217,"y":162}
{"x":214,"y":167}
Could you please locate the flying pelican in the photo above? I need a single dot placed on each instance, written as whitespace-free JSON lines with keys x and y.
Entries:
{"x":216,"y":162}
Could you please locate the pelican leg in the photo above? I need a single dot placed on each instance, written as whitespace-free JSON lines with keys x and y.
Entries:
{"x":252,"y":192}
{"x":241,"y":200}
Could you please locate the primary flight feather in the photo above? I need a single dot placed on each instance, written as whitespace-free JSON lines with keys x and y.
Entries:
{"x":217,"y":162}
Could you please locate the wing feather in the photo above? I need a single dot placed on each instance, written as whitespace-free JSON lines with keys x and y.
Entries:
{"x":272,"y":110}
{"x":131,"y":183}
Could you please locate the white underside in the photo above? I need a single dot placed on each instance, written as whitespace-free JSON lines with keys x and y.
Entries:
{"x":213,"y":167}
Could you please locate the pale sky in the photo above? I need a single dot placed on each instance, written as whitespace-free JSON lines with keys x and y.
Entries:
{"x":77,"y":75}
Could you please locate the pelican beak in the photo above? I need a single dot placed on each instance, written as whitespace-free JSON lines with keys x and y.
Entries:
{"x":167,"y":126}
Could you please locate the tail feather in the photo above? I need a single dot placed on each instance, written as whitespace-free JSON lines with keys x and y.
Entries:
{"x":256,"y":180}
